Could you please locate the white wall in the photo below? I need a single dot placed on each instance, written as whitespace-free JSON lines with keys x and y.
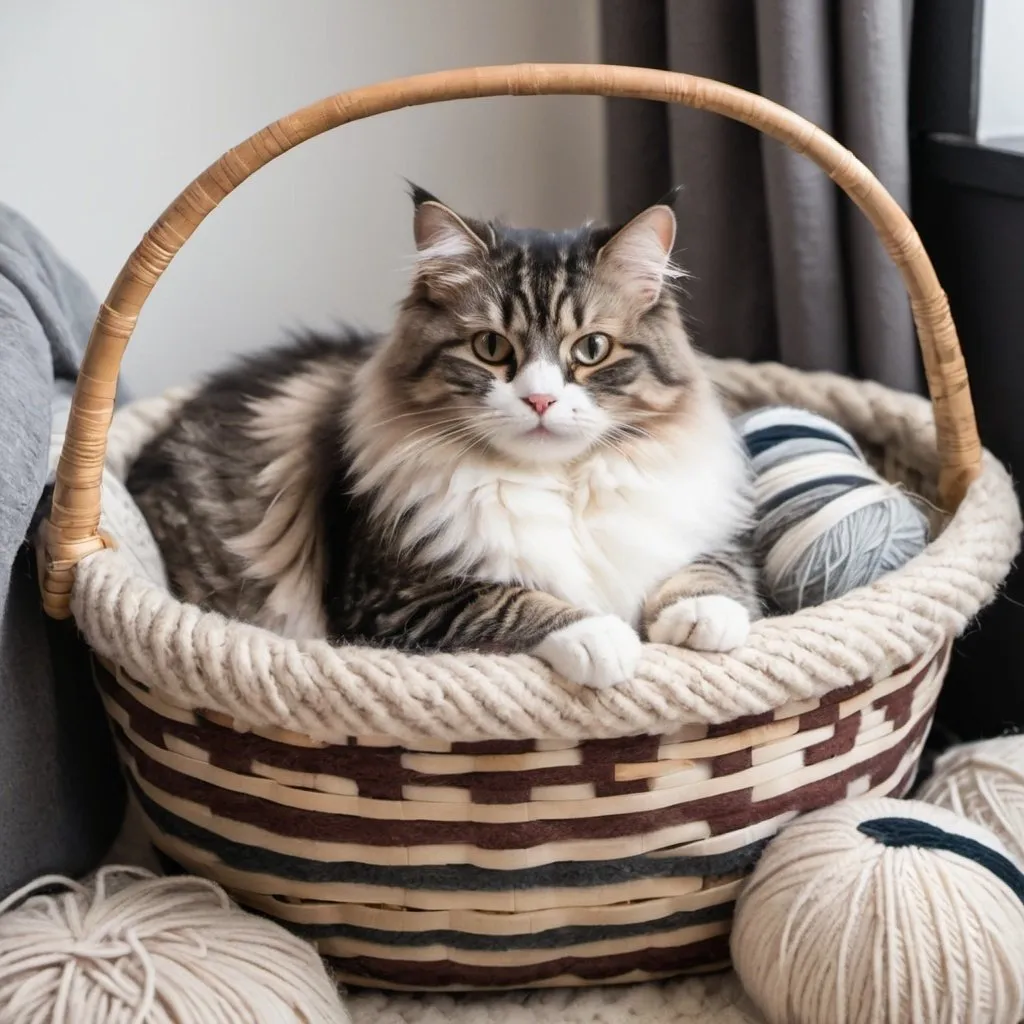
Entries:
{"x":108,"y":108}
{"x":1001,"y":90}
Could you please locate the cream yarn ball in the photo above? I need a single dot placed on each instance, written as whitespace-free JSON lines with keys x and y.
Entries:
{"x":984,"y":781}
{"x":861,"y":914}
{"x":136,"y":949}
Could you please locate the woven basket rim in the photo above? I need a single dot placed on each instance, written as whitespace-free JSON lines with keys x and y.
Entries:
{"x":200,"y":660}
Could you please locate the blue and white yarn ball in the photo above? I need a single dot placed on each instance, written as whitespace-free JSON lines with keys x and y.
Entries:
{"x":826,"y":521}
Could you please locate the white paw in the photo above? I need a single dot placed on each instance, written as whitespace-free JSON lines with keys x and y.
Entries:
{"x":712,"y":623}
{"x":600,"y":651}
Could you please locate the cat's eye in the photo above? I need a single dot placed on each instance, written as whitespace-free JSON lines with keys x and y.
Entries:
{"x":592,"y":349}
{"x":491,"y":347}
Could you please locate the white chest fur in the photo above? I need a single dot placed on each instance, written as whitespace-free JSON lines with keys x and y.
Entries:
{"x":600,"y":536}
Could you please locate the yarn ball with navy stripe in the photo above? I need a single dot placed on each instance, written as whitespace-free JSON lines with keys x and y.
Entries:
{"x":883,"y":911}
{"x":826,"y":522}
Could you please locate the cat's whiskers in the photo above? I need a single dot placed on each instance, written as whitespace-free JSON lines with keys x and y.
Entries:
{"x":420,"y":446}
{"x":422,"y":412}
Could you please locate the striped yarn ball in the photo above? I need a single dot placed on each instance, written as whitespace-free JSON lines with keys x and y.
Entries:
{"x":826,"y":521}
{"x":882,"y":911}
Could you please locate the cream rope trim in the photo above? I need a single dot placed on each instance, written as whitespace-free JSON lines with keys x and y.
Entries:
{"x":201,"y":660}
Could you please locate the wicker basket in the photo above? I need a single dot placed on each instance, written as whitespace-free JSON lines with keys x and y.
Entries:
{"x":472,"y":821}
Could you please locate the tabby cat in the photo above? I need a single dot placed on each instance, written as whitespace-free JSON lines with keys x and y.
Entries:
{"x":533,"y":460}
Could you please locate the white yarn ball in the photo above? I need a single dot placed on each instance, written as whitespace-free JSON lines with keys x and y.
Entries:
{"x":134,"y":948}
{"x":984,"y":781}
{"x":837,"y":926}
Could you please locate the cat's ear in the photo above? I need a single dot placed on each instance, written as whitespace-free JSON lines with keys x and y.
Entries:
{"x":449,"y":251}
{"x":439,"y":231}
{"x":638,"y":257}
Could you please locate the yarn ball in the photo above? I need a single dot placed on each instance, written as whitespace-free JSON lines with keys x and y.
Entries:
{"x":984,"y":781}
{"x":826,"y":521}
{"x":882,"y":911}
{"x":133,"y":948}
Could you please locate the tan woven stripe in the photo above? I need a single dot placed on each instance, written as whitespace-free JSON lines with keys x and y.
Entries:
{"x":476,"y":922}
{"x":346,"y":948}
{"x":727,"y":842}
{"x":454,"y":764}
{"x":240,"y":882}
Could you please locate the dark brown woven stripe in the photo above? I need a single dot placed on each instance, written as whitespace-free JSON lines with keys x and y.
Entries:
{"x":341,"y":828}
{"x":740,"y":725}
{"x":842,"y":741}
{"x":379,"y":773}
{"x":444,"y":973}
{"x":448,"y":877}
{"x":631,"y":750}
{"x":729,"y":764}
{"x":827,"y":712}
{"x":622,"y":788}
{"x":723,"y":813}
{"x":828,"y":790}
{"x":897,"y":707}
{"x":485,"y":747}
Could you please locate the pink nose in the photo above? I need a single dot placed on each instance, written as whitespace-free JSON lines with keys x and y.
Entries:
{"x":540,"y":403}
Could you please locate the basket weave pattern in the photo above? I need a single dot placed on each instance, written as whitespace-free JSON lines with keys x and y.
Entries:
{"x":508,"y":863}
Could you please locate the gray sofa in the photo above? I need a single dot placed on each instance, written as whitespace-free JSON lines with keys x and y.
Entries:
{"x":61,"y":795}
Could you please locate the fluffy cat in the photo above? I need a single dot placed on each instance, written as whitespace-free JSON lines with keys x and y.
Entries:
{"x":533,"y":460}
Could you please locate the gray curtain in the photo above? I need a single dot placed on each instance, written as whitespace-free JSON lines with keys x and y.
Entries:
{"x":784,"y":266}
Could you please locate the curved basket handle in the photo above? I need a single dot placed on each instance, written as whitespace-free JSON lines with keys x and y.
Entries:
{"x":73,"y":528}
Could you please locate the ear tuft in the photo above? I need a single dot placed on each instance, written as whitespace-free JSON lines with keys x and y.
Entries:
{"x":639,"y":255}
{"x":449,"y":253}
{"x":420,"y":195}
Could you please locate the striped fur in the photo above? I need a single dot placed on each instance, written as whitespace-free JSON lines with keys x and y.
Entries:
{"x":532,"y":460}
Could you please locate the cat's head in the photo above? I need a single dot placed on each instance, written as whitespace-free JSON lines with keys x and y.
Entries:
{"x":539,"y":346}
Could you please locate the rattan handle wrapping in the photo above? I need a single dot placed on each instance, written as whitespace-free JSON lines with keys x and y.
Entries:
{"x":73,"y":527}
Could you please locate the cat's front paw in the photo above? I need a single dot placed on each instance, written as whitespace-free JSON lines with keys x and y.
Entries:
{"x":709,"y":623}
{"x":599,"y":651}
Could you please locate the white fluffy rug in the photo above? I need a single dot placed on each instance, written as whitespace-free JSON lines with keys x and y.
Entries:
{"x":717,"y":999}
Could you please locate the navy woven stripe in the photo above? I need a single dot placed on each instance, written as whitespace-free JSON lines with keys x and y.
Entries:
{"x":910,"y":832}
{"x":758,"y":441}
{"x":552,"y":938}
{"x":453,"y":878}
{"x":847,"y":483}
